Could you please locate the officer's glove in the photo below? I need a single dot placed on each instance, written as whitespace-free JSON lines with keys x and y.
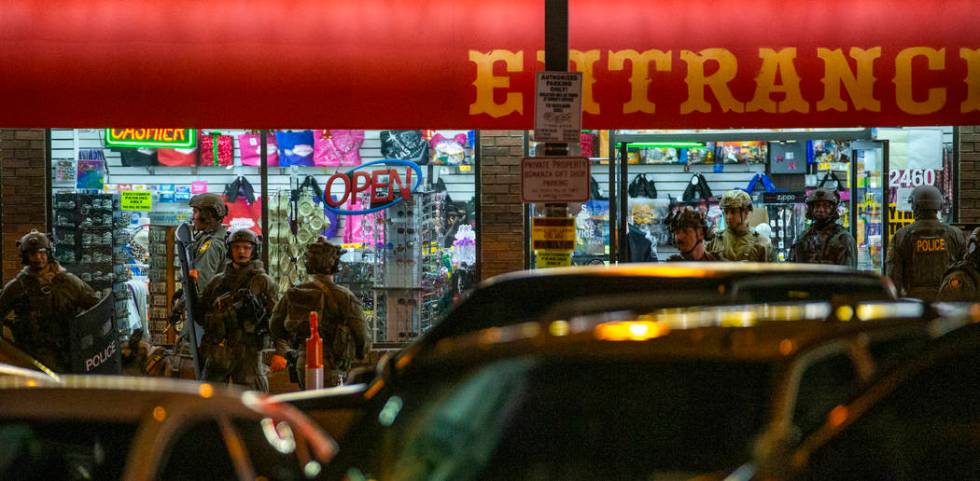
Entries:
{"x":277,"y":363}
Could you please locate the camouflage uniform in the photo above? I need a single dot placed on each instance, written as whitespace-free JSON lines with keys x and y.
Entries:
{"x":708,"y":257}
{"x":826,"y":241}
{"x":341,"y":316}
{"x":735,"y":245}
{"x":961,"y":282}
{"x":919,"y":254}
{"x":236,"y":324}
{"x":44,"y":303}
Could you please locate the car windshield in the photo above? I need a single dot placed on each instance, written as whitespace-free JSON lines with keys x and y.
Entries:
{"x":63,"y":450}
{"x":573,"y":420}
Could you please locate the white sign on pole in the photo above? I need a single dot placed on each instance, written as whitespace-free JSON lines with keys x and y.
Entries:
{"x":555,"y":179}
{"x":558,"y":107}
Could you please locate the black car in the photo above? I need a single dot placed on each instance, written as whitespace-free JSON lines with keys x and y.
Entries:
{"x":641,"y":399}
{"x":920,"y":421}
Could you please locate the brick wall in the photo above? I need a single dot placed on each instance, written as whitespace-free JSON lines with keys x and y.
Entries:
{"x":969,"y":175}
{"x":501,"y":227}
{"x":23,"y":190}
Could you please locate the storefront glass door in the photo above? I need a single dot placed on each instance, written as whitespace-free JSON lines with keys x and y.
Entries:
{"x":869,"y":162}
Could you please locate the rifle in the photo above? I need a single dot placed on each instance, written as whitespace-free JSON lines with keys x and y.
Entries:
{"x":185,"y":245}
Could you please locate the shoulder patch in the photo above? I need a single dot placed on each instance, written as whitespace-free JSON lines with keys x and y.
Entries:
{"x":204,"y":247}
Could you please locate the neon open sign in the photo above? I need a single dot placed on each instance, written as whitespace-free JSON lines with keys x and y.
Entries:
{"x":380,"y":183}
{"x":152,"y":138}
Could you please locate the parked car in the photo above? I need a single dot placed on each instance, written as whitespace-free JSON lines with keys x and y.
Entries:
{"x":918,"y":422}
{"x":133,"y":429}
{"x":648,"y":398}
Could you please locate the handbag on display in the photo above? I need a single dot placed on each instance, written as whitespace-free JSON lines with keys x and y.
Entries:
{"x":763,"y":180}
{"x":641,"y":187}
{"x":137,"y":157}
{"x":449,"y":150}
{"x":337,"y":148}
{"x":697,"y":189}
{"x":596,"y":194}
{"x":216,"y":150}
{"x":244,"y":208}
{"x":405,"y":145}
{"x":295,"y":147}
{"x":177,"y":157}
{"x":250,"y":146}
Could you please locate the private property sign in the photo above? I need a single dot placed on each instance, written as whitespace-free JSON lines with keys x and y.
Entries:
{"x":555,"y":179}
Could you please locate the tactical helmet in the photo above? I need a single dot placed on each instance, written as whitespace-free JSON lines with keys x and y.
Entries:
{"x":243,"y":235}
{"x":736,"y":199}
{"x":210,"y":201}
{"x":322,"y":257}
{"x":926,"y":197}
{"x":34,"y":241}
{"x":689,"y":218}
{"x":826,"y":195}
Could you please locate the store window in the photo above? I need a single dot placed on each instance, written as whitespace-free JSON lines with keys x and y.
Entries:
{"x":409,"y":258}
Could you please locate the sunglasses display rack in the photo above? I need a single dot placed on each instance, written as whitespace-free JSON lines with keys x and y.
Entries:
{"x":285,"y":247}
{"x":90,"y":239}
{"x":163,"y":274}
{"x":787,"y":222}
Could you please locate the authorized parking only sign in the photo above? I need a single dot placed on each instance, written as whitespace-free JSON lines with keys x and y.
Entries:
{"x":558,"y":107}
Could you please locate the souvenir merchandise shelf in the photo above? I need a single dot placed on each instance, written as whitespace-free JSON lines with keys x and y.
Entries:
{"x":91,"y":242}
{"x":163,"y":283}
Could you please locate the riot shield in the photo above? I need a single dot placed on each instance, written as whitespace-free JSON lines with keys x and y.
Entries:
{"x":185,"y":240}
{"x":94,"y":343}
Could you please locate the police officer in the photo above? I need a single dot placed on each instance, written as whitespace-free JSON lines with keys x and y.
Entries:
{"x":689,"y":230}
{"x":209,"y":237}
{"x":44,"y":298}
{"x":237,"y":304}
{"x":826,"y":241}
{"x":738,"y":242}
{"x":342,"y":325}
{"x":962,"y":280}
{"x":919,"y":253}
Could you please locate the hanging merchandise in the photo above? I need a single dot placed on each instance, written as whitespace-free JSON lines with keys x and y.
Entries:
{"x":596,"y":194}
{"x":587,"y":143}
{"x":742,"y":152}
{"x":760,"y":179}
{"x":91,"y":169}
{"x":831,"y":181}
{"x":360,"y":229}
{"x":295,"y":147}
{"x":450,"y":150}
{"x":642,"y":187}
{"x":250,"y":149}
{"x":697,"y":189}
{"x":244,"y":208}
{"x":405,"y":145}
{"x":337,"y":148}
{"x":137,"y":157}
{"x":216,"y":150}
{"x":177,"y":157}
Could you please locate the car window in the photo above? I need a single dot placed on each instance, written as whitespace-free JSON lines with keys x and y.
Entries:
{"x":271,"y":447}
{"x":60,"y":450}
{"x":928,"y":428}
{"x":823,"y":385}
{"x":539,"y":419}
{"x":199,"y":453}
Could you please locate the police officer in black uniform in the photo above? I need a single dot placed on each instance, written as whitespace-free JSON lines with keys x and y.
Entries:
{"x":44,"y":298}
{"x":919,"y":253}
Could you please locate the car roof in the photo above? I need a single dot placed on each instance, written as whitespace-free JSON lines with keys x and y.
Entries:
{"x":10,"y":355}
{"x":90,"y":397}
{"x":519,"y":296}
{"x":638,"y":339}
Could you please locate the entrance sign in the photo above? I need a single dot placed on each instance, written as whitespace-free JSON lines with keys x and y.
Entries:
{"x":558,"y":107}
{"x":694,"y":64}
{"x":151,"y":138}
{"x":555,"y":179}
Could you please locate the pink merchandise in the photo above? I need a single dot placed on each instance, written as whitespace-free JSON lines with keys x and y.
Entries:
{"x":336,"y":148}
{"x":448,"y":151}
{"x":359,"y":229}
{"x":177,"y":157}
{"x":250,"y":145}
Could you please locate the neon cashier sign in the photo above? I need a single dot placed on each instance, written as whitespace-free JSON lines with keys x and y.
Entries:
{"x":380,"y":183}
{"x":152,"y":138}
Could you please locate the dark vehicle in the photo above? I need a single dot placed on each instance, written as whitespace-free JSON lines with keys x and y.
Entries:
{"x":133,"y":429}
{"x":641,"y":399}
{"x":918,"y":422}
{"x":17,"y":363}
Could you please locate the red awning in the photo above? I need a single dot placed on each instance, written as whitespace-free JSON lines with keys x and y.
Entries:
{"x":471,"y":64}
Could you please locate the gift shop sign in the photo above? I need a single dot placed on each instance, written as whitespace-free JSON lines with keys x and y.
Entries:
{"x":401,"y":175}
{"x":555,"y":179}
{"x":152,"y":138}
{"x":558,"y":109}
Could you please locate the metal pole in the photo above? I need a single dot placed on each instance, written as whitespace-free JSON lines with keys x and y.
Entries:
{"x":264,"y":174}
